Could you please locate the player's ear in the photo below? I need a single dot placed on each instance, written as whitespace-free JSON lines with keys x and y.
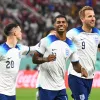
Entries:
{"x":82,"y":19}
{"x":14,"y":33}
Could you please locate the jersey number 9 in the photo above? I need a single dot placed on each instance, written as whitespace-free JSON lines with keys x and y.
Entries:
{"x":83,"y":45}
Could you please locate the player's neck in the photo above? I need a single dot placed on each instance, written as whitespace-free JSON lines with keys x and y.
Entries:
{"x":11,"y":42}
{"x":61,"y":37}
{"x":87,"y":29}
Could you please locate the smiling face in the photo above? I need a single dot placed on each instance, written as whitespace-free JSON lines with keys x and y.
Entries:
{"x":89,"y":19}
{"x":61,"y":25}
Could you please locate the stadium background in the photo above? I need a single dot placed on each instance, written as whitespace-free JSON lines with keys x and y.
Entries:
{"x":35,"y":17}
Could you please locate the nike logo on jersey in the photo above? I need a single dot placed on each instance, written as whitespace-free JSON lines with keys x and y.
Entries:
{"x":54,"y":49}
{"x":2,"y":58}
{"x":9,"y":58}
{"x":96,"y":39}
{"x":82,"y":38}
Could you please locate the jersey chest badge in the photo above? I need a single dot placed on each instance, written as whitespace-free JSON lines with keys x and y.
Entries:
{"x":67,"y":52}
{"x":96,"y":40}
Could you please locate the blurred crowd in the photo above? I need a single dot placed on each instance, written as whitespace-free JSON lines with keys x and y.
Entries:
{"x":36,"y":16}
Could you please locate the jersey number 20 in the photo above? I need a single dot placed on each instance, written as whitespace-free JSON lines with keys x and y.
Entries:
{"x":10,"y":64}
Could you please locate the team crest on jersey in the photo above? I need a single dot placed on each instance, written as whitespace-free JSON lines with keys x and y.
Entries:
{"x":96,"y":40}
{"x":67,"y":52}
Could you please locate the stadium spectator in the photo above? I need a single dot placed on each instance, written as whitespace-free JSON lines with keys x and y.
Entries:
{"x":24,"y":11}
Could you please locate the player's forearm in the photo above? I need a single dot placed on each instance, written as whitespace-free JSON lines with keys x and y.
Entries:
{"x":39,"y":60}
{"x":77,"y":67}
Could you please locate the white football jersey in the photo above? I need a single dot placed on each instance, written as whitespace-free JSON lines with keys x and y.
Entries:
{"x":9,"y":65}
{"x":87,"y":44}
{"x":51,"y":74}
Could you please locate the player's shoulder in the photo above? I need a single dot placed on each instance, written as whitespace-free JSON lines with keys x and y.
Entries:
{"x":52,"y":37}
{"x":3,"y":48}
{"x":75,"y":31}
{"x":20,"y":46}
{"x":95,"y":30}
{"x":49,"y":39}
{"x":70,"y":43}
{"x":2,"y":45}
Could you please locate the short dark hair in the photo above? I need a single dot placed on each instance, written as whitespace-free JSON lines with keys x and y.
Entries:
{"x":59,"y":16}
{"x":9,"y":27}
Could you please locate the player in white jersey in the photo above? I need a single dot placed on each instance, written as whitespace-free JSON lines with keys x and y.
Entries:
{"x":52,"y":53}
{"x":10,"y":57}
{"x":49,"y":31}
{"x":86,"y":38}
